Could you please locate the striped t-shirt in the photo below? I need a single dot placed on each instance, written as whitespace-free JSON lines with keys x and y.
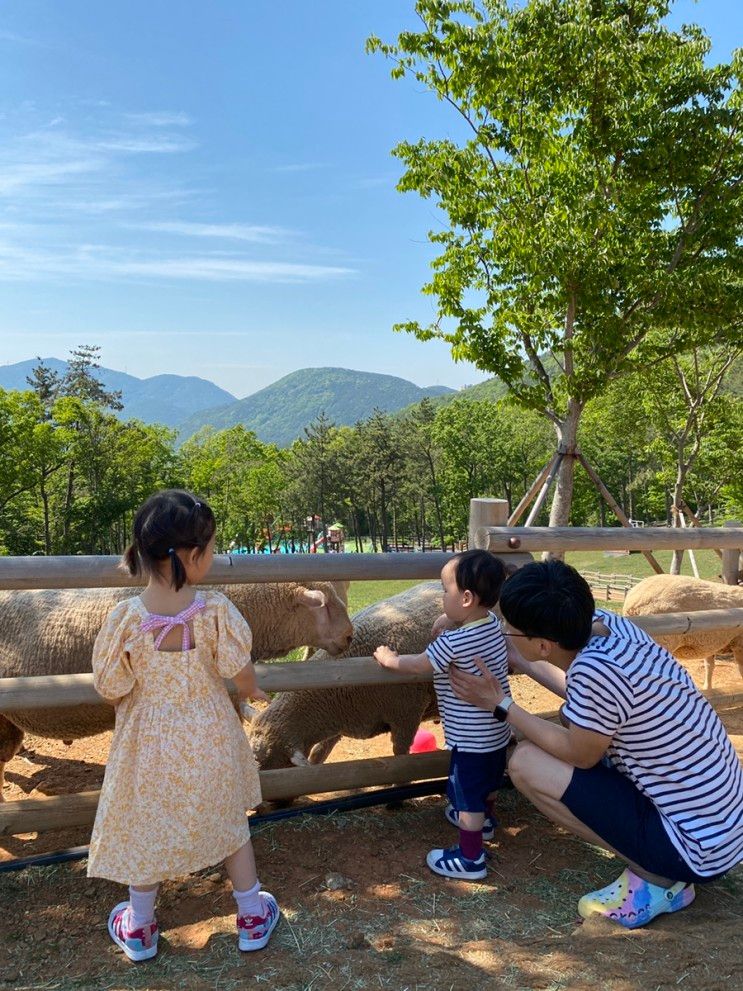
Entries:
{"x":666,"y":738}
{"x":465,"y":726}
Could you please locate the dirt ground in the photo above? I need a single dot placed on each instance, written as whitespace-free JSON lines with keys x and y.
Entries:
{"x":360,"y":908}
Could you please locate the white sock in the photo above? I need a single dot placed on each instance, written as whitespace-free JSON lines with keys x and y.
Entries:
{"x":142,"y":907}
{"x":250,"y":902}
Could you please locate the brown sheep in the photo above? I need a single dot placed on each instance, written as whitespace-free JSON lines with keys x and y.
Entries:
{"x":50,"y":632}
{"x":677,"y":593}
{"x":304,"y":726}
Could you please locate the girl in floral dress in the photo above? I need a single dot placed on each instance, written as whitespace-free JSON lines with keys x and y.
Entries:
{"x":180,"y":773}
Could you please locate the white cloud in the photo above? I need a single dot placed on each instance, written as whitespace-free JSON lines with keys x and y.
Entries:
{"x":235,"y":269}
{"x":89,"y":261}
{"x":133,"y":145}
{"x":60,"y":187}
{"x":254,"y":233}
{"x":160,"y":118}
{"x":301,"y":167}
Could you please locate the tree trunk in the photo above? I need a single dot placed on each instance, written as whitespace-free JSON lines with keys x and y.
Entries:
{"x":47,"y":532}
{"x":678,"y":498}
{"x":567,"y":433}
{"x":383,"y":516}
{"x":436,"y":500}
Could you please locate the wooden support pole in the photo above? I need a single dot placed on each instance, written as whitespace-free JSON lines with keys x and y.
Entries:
{"x":731,"y":557}
{"x":533,"y":489}
{"x":63,"y":691}
{"x":614,"y":506}
{"x":555,"y":467}
{"x":695,"y":521}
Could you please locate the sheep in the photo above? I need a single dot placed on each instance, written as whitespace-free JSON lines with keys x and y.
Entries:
{"x":52,"y":632}
{"x":311,"y":721}
{"x":676,"y":593}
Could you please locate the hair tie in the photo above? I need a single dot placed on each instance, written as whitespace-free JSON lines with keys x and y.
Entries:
{"x":171,"y":550}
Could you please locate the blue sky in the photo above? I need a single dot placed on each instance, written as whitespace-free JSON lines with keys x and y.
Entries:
{"x":207,"y":188}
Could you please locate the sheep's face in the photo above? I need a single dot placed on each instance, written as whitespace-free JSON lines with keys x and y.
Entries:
{"x":327,"y":618}
{"x":270,"y":755}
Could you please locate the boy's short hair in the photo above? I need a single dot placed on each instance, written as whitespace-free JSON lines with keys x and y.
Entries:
{"x":550,"y":599}
{"x":480,"y":573}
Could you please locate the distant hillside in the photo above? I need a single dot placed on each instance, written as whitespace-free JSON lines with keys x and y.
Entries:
{"x":279,"y":413}
{"x":493,"y":389}
{"x":167,"y":399}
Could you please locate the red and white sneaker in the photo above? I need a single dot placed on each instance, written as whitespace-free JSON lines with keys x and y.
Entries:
{"x":137,"y":944}
{"x":254,"y":931}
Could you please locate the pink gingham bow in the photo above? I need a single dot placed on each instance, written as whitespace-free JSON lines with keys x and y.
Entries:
{"x":168,"y":623}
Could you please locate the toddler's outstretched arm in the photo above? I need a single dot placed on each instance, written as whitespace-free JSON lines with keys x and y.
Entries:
{"x":247,"y":686}
{"x":388,"y":658}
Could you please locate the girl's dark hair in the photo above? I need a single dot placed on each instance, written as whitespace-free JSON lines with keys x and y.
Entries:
{"x":550,"y":599}
{"x":482,"y":574}
{"x":169,"y":520}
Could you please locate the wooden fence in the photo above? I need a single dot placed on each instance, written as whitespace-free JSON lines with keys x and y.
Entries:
{"x":40,"y":814}
{"x":610,"y":588}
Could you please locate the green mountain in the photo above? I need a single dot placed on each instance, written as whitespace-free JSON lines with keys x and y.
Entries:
{"x":167,"y":399}
{"x":279,"y":413}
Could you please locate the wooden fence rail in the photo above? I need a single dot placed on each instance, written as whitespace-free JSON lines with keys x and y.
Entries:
{"x":61,"y":691}
{"x":36,"y":815}
{"x":64,"y":811}
{"x":568,"y":538}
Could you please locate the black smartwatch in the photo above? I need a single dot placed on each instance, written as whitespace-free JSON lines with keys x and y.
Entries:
{"x":501,"y":710}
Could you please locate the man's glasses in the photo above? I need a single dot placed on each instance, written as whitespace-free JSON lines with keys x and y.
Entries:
{"x":507,"y":633}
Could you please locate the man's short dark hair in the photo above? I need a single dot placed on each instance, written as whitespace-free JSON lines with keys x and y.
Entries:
{"x":482,"y":574}
{"x":549,"y":599}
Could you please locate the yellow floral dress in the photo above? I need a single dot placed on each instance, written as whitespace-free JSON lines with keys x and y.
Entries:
{"x":180,"y":773}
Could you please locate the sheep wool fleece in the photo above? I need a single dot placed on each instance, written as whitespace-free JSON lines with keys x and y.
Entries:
{"x":180,"y":774}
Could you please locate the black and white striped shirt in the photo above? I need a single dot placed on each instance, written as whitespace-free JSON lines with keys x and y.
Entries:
{"x":465,"y":726}
{"x":666,"y":738}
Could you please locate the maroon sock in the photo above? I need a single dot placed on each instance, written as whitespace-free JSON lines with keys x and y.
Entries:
{"x":470,"y":843}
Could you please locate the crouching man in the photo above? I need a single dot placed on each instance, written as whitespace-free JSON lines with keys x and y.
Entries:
{"x":642,"y":767}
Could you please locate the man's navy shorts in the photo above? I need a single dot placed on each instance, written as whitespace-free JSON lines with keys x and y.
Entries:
{"x":472,"y":777}
{"x":612,"y":806}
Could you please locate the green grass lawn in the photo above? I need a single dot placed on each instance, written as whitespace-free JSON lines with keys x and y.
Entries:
{"x":363,"y":594}
{"x":636,"y":564}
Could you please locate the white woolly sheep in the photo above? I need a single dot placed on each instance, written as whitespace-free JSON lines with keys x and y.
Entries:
{"x":311,"y":721}
{"x":677,"y":593}
{"x":52,"y":631}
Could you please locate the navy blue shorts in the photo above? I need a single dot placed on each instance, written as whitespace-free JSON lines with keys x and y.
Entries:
{"x":612,"y":806}
{"x":472,"y":777}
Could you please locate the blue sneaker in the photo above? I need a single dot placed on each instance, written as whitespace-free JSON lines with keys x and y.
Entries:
{"x":488,"y":829}
{"x":254,"y":931}
{"x":453,"y":863}
{"x":137,"y":944}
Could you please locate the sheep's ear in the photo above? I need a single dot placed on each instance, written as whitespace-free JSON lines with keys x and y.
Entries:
{"x":312,"y":597}
{"x":298,"y":759}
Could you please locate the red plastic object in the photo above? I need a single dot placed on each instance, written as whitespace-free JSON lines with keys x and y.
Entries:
{"x":423,"y":742}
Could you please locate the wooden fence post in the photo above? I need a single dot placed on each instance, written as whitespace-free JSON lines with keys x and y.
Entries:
{"x":485,"y":512}
{"x":731,"y":558}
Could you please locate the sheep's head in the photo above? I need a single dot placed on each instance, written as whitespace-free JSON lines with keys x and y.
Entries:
{"x":328,"y":625}
{"x":271,"y":753}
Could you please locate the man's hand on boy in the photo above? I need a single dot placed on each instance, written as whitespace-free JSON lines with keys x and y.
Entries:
{"x":482,"y":690}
